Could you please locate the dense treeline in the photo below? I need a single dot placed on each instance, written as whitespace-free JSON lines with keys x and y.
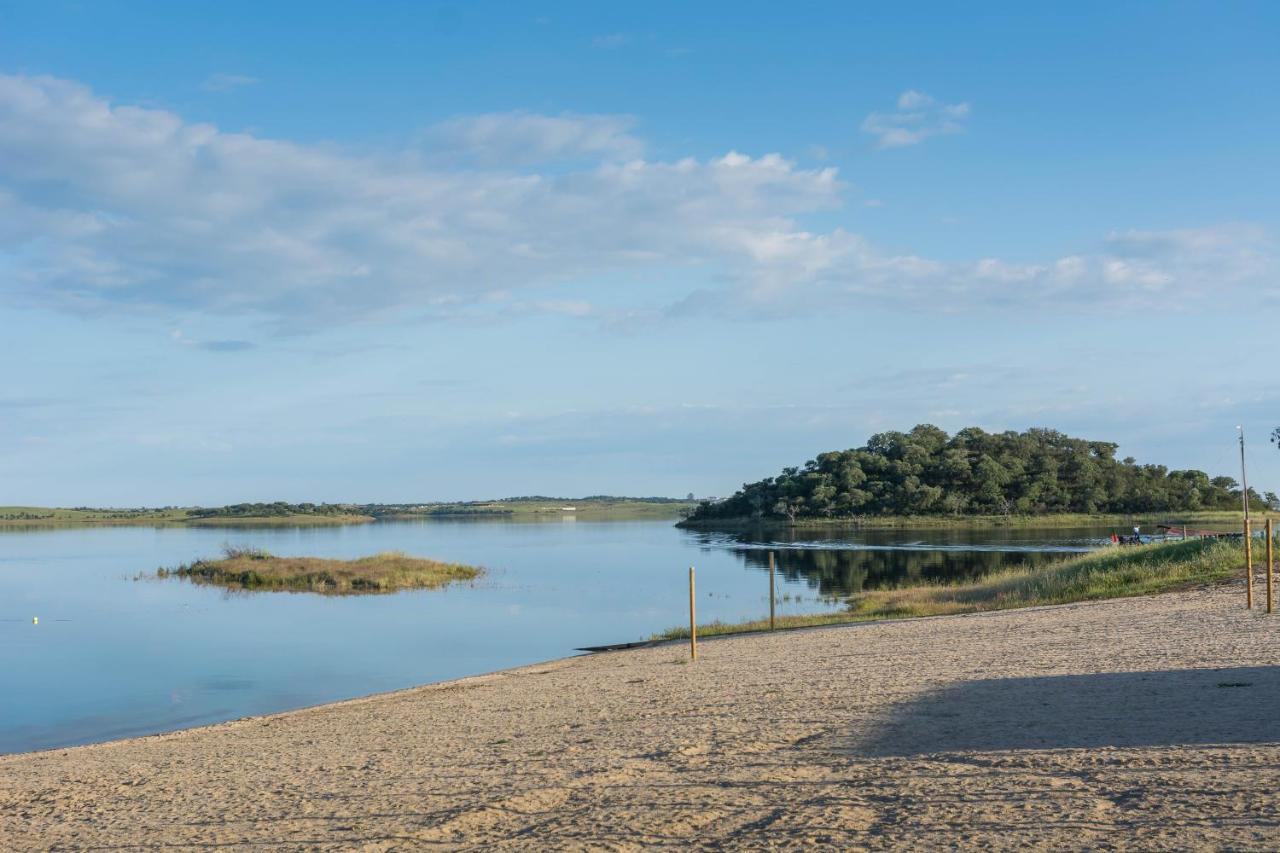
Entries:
{"x":927,"y":472}
{"x":275,"y":509}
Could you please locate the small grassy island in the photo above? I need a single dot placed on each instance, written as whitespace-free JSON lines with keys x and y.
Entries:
{"x":253,"y":569}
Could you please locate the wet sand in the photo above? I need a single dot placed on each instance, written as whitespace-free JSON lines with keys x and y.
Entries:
{"x":1150,"y":723}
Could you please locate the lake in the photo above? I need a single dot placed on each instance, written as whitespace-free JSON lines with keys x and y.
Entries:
{"x":114,"y":656}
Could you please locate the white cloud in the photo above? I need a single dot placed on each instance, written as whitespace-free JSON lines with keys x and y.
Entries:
{"x":799,"y":272}
{"x":913,"y":100}
{"x":108,"y":208}
{"x":917,"y":117}
{"x":104,"y":205}
{"x":522,"y":138}
{"x":223,"y":82}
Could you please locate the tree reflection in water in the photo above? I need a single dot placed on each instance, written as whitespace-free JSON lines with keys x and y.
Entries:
{"x":843,"y":572}
{"x":893,"y":559}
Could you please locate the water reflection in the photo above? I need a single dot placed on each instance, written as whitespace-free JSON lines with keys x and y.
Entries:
{"x":843,"y":572}
{"x":837,"y":564}
{"x":112,"y":656}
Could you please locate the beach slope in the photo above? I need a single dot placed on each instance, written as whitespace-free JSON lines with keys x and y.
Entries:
{"x":1144,"y":722}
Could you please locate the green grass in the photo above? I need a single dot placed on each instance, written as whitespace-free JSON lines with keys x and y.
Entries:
{"x":391,"y":571}
{"x":1108,"y":573}
{"x":32,"y":516}
{"x":36,"y":516}
{"x":1215,"y":519}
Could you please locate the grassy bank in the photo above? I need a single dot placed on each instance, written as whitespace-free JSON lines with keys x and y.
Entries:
{"x":1214,"y":519}
{"x":252,"y":569}
{"x":1109,"y":573}
{"x":276,"y":520}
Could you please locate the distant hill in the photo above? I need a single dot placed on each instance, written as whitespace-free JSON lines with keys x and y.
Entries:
{"x":928,"y":472}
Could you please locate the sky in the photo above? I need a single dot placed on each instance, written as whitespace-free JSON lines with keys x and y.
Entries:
{"x":451,"y":251}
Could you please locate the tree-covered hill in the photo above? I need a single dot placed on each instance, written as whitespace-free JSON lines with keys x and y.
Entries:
{"x":927,"y":472}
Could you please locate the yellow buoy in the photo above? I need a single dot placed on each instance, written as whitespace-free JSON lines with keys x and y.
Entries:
{"x":35,"y":620}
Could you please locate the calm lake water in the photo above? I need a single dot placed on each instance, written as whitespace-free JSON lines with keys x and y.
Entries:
{"x":113,"y":656}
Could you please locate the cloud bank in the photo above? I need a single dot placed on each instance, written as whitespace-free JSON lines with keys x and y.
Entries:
{"x":107,"y":207}
{"x":521,"y":138}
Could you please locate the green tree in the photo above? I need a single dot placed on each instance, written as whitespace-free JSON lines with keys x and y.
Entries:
{"x":925,"y":472}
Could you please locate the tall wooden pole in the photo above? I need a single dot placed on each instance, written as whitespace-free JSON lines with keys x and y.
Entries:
{"x":1244,"y":477}
{"x":772,"y":586}
{"x":1270,"y":563}
{"x":693,"y":621}
{"x":1248,"y":563}
{"x":1248,"y":528}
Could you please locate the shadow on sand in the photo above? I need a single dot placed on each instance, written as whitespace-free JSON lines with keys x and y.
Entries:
{"x":1112,"y":709}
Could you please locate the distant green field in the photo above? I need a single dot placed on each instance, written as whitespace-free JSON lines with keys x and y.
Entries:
{"x":541,"y":509}
{"x":281,"y":515}
{"x":20,"y":516}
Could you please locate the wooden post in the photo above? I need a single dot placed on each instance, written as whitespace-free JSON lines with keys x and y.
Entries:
{"x":1248,"y":563}
{"x":693,"y":621}
{"x":1248,"y":528}
{"x":1270,"y":563}
{"x":771,"y":591}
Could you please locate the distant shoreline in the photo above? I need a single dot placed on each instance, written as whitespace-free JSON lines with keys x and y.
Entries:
{"x":167,"y":520}
{"x":520,"y":509}
{"x":620,"y":509}
{"x":912,"y":522}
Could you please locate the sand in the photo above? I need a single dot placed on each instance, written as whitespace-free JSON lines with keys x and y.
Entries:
{"x":1149,"y":723}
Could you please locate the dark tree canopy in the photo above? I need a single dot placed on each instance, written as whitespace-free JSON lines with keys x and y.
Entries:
{"x":276,"y":509}
{"x":927,"y":472}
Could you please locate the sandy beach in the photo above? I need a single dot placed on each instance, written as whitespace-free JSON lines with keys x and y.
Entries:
{"x":1149,"y":722}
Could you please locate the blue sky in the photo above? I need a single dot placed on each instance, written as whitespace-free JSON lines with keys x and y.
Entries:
{"x":446,"y":251}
